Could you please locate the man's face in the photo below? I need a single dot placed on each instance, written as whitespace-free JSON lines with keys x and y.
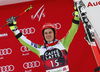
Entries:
{"x":49,"y":35}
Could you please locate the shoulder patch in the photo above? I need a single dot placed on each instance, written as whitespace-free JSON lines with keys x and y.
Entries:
{"x":39,"y":46}
{"x":34,"y":45}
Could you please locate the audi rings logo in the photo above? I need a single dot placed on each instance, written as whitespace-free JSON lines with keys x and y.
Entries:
{"x":7,"y":51}
{"x":57,"y":25}
{"x":24,"y":49}
{"x":26,"y":31}
{"x":32,"y":64}
{"x":7,"y":68}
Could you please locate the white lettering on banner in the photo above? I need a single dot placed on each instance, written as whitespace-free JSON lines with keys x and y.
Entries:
{"x":28,"y":70}
{"x":26,"y":31}
{"x":7,"y":68}
{"x":57,"y":25}
{"x":7,"y":51}
{"x":33,"y":64}
{"x":25,"y":54}
{"x":3,"y":35}
{"x":93,"y":4}
{"x":1,"y":57}
{"x":41,"y":11}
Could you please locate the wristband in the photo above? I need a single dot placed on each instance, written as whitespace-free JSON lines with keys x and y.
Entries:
{"x":75,"y":21}
{"x":18,"y":35}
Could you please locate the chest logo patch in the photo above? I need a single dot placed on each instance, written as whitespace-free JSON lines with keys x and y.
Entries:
{"x":53,"y":53}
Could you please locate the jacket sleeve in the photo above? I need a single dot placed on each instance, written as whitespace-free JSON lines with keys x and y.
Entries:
{"x":66,"y":41}
{"x":26,"y":42}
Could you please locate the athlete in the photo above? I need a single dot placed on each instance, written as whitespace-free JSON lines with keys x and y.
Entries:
{"x":53,"y":52}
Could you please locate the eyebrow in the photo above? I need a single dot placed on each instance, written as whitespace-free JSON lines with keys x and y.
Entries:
{"x":49,"y":32}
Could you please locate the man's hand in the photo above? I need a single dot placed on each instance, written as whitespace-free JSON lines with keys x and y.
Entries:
{"x":12,"y":23}
{"x":76,"y":13}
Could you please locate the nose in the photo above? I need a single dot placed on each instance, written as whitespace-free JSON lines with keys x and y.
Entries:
{"x":48,"y":34}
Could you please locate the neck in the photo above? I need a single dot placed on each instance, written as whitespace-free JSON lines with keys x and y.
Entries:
{"x":52,"y":43}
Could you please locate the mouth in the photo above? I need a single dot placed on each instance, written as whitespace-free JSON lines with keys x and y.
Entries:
{"x":48,"y":37}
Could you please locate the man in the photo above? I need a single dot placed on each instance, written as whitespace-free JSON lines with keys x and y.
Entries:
{"x":53,"y":53}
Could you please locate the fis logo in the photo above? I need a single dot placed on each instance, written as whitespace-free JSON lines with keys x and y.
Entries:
{"x":33,"y":64}
{"x":39,"y":14}
{"x":7,"y":68}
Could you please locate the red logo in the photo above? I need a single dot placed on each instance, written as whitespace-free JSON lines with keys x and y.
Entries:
{"x":93,"y":4}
